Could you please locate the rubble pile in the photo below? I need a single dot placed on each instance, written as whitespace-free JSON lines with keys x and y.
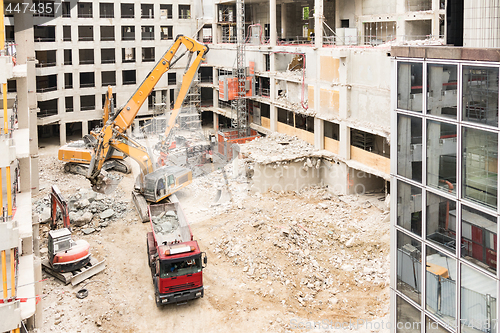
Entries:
{"x":321,"y":251}
{"x":89,"y":210}
{"x":166,"y":222}
{"x":277,"y":147}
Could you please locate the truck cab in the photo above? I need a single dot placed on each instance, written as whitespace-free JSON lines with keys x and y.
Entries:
{"x":175,"y":259}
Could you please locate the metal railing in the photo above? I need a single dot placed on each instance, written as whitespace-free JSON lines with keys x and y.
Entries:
{"x":84,"y":15}
{"x":129,"y":82}
{"x":46,"y":113}
{"x":106,"y":15}
{"x":45,"y":64}
{"x":107,"y":38}
{"x":87,"y":107}
{"x":86,"y":62}
{"x":148,"y":59}
{"x":107,"y":61}
{"x":87,"y":85}
{"x":85,"y":38}
{"x":44,"y":39}
{"x":128,"y":37}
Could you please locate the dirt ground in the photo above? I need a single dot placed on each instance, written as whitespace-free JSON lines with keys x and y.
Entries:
{"x":276,"y":261}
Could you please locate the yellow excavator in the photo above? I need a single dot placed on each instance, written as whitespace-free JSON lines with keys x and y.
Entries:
{"x":151,"y":185}
{"x":77,"y":154}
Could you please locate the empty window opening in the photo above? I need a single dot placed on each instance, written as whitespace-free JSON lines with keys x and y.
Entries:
{"x":87,"y":80}
{"x":106,"y":10}
{"x":68,"y":80}
{"x":11,"y":86}
{"x":265,"y":110}
{"x":128,"y":54}
{"x":172,"y":79}
{"x":267,"y":62}
{"x":172,"y":96}
{"x":418,"y":30}
{"x":46,"y":83}
{"x":84,"y":9}
{"x":107,"y":33}
{"x":44,"y":33}
{"x":129,"y":77}
{"x":69,"y":104}
{"x":167,"y":32}
{"x":128,"y":33}
{"x":344,"y":23}
{"x":87,"y":102}
{"x":166,"y":11}
{"x":418,"y":5}
{"x":86,"y":56}
{"x":370,"y":142}
{"x":206,"y":74}
{"x":46,"y":58}
{"x":66,"y":33}
{"x":107,"y":56}
{"x":74,"y":129}
{"x":148,"y":54}
{"x":184,"y":11}
{"x":108,"y":78}
{"x":207,"y":97}
{"x":332,"y":130}
{"x":127,"y":10}
{"x":262,"y":86}
{"x":86,"y":33}
{"x":147,"y":11}
{"x":66,"y":9}
{"x":47,"y":108}
{"x":147,"y":32}
{"x":9,"y":33}
{"x":285,"y":117}
{"x":68,"y":57}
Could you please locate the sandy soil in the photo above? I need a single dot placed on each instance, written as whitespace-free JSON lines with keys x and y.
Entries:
{"x":275,"y":261}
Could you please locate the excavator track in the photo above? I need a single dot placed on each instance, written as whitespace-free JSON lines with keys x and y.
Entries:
{"x":114,"y":165}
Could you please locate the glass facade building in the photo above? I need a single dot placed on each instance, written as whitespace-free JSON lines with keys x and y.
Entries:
{"x":444,"y":170}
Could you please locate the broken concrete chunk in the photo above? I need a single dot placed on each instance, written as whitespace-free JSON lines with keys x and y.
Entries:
{"x":88,"y":231}
{"x":83,"y":219}
{"x":45,"y":216}
{"x":107,"y":213}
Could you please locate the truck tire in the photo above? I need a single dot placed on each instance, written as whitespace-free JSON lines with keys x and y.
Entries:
{"x":158,"y":301}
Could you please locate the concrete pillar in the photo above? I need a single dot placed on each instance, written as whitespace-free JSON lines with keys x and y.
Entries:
{"x":216,"y":122}
{"x":319,"y":133}
{"x":318,"y":23}
{"x":345,"y":141}
{"x":215,"y":32}
{"x":274,"y":118}
{"x":62,"y":133}
{"x":85,"y":127}
{"x":435,"y":19}
{"x":283,"y":20}
{"x":337,"y":16}
{"x":272,"y":23}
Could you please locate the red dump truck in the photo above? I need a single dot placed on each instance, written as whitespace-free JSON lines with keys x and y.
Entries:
{"x":174,"y":257}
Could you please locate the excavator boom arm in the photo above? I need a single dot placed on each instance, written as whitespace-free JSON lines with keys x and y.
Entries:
{"x":126,"y":116}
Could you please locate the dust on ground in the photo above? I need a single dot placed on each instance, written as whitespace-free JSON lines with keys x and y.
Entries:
{"x":276,"y":261}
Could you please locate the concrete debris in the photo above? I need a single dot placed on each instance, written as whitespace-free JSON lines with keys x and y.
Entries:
{"x":88,"y":231}
{"x":107,"y":213}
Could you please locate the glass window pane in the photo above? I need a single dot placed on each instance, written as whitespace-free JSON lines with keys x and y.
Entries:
{"x":410,"y":207}
{"x":409,"y":267}
{"x":479,"y":170}
{"x":441,"y":221}
{"x":480,"y":95}
{"x":407,"y":317}
{"x":478,"y":301}
{"x":442,"y":90}
{"x":440,"y":285}
{"x":479,"y":238}
{"x":433,"y":327}
{"x":410,"y":86}
{"x":442,"y":156}
{"x":410,"y":147}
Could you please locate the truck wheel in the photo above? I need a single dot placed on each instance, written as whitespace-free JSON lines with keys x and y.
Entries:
{"x":158,"y":300}
{"x":147,"y":251}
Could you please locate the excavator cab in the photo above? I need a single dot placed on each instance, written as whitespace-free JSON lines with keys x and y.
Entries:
{"x":164,"y":181}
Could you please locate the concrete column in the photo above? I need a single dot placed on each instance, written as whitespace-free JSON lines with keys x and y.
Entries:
{"x":319,"y":133}
{"x":345,"y":141}
{"x":435,"y":19}
{"x":62,"y":133}
{"x":283,"y":20}
{"x":318,"y":23}
{"x":85,"y":127}
{"x":274,"y":118}
{"x":272,"y":23}
{"x":215,"y":33}
{"x":216,"y":122}
{"x":337,"y":16}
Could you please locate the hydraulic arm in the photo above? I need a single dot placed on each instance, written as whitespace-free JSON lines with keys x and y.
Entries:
{"x":113,"y":135}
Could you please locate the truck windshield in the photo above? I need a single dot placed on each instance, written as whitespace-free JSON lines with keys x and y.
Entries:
{"x":178,"y":267}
